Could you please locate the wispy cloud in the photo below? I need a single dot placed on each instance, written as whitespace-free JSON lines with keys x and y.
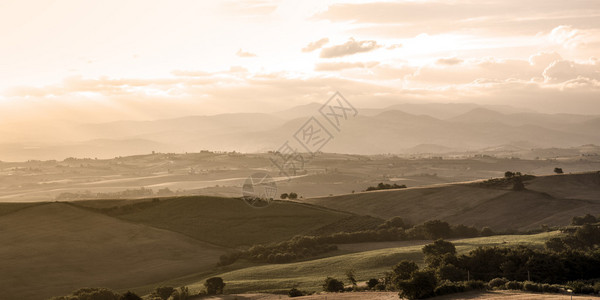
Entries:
{"x":312,"y":46}
{"x":242,"y":53}
{"x":350,"y":47}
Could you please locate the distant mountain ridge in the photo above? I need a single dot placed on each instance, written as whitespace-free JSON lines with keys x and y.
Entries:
{"x":402,"y":128}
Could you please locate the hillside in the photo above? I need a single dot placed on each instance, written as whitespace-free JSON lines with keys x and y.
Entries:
{"x":550,"y":200}
{"x":309,"y":275}
{"x":231,"y":222}
{"x":55,"y":248}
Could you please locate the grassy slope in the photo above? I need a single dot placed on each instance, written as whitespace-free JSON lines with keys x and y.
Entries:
{"x":551,"y":200}
{"x":230,"y":222}
{"x":309,"y":275}
{"x":52,"y":249}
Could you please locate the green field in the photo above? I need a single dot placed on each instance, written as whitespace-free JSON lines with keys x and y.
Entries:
{"x":309,"y":275}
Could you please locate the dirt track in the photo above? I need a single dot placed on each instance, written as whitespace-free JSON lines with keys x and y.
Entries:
{"x":497,"y":295}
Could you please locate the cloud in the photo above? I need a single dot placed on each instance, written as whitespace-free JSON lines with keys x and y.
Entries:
{"x":350,"y":47}
{"x":564,"y":70}
{"x":544,"y":58}
{"x":315,"y":45}
{"x":394,"y":46}
{"x":185,"y":73}
{"x":449,"y":61}
{"x":241,"y":53}
{"x":410,"y":18}
{"x":337,"y":66}
{"x":567,"y":36}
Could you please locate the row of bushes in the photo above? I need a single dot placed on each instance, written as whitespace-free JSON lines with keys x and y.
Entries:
{"x":301,"y":247}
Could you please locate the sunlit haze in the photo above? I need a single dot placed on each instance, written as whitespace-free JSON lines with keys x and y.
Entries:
{"x":111,"y":60}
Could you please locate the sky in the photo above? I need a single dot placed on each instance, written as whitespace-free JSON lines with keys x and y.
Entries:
{"x":96,"y":61}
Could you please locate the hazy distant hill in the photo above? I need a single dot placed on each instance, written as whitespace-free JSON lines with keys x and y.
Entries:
{"x":403,"y":128}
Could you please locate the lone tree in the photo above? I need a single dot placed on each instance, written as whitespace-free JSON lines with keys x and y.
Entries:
{"x":284,"y":196}
{"x":518,"y":184}
{"x":558,"y":170}
{"x":351,"y":277}
{"x":214,"y":285}
{"x":293,"y":196}
{"x":333,"y":285}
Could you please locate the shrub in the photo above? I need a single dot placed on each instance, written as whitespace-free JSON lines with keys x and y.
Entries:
{"x":372,"y":283}
{"x":551,"y":288}
{"x":214,"y":285}
{"x":497,"y":283}
{"x":532,"y":287}
{"x":447,"y":288}
{"x":164,"y":292}
{"x":475,"y":285}
{"x":333,"y":285}
{"x":579,"y":287}
{"x":295,"y":293}
{"x":514,"y":285}
{"x":130,"y":296}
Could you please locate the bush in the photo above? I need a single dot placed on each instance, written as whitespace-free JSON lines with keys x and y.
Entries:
{"x":514,"y":285}
{"x":130,"y":296}
{"x":421,"y":285}
{"x":372,"y":283}
{"x":164,"y":292}
{"x":380,"y":287}
{"x":532,"y":287}
{"x":214,"y":285}
{"x":475,"y":285}
{"x":497,"y":283}
{"x":579,"y":287}
{"x":295,"y":293}
{"x":447,"y":288}
{"x":333,"y":285}
{"x":552,"y":288}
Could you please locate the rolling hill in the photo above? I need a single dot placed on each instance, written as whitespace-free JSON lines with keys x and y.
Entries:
{"x":51,"y":249}
{"x":551,"y":200}
{"x":232,"y":223}
{"x":309,"y":275}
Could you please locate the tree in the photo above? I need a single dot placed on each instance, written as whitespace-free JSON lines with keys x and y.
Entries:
{"x":284,"y":196}
{"x":518,"y":184}
{"x":372,"y":283}
{"x":558,"y":170}
{"x":404,"y":270}
{"x":293,"y":196}
{"x":130,"y":296}
{"x":351,"y":277}
{"x":164,"y":292}
{"x":333,"y":285}
{"x":214,"y":285}
{"x":421,"y":285}
{"x":294,"y":292}
{"x":509,"y":174}
{"x":436,"y":229}
{"x":439,"y":248}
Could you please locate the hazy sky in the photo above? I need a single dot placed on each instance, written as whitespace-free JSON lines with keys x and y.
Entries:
{"x":106,"y":60}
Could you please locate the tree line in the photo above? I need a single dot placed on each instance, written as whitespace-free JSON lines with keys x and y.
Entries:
{"x":395,"y":229}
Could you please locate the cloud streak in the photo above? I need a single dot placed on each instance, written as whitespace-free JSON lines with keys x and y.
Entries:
{"x":350,"y":47}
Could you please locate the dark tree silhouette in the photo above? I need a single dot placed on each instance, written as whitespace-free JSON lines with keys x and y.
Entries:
{"x":214,"y":285}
